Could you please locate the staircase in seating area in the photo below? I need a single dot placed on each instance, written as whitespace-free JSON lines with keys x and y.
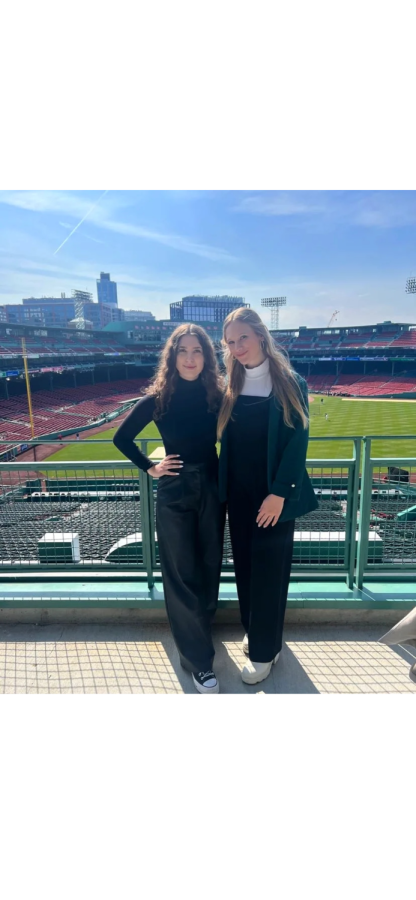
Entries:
{"x":406,"y":339}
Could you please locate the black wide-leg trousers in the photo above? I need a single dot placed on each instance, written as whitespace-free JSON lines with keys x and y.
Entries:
{"x":262,"y":562}
{"x":190,"y":530}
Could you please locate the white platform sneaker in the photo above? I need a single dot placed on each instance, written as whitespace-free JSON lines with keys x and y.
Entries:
{"x":244,"y":645}
{"x":254,"y":672}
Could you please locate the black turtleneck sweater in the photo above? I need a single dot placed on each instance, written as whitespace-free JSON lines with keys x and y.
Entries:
{"x":187,"y":427}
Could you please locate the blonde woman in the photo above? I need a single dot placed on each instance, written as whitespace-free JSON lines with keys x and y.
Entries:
{"x":263,"y":428}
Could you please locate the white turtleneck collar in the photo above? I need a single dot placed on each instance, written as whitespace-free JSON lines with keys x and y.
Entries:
{"x":258,"y":381}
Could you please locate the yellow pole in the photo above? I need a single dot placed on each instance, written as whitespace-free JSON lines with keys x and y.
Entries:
{"x":29,"y":396}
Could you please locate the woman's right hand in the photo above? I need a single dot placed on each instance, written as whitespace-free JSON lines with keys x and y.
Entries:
{"x":167,"y":466}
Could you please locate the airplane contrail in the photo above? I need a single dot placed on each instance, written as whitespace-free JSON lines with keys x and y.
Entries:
{"x":80,"y":223}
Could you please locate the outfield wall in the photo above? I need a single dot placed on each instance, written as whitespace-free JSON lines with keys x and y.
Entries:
{"x":408,"y":396}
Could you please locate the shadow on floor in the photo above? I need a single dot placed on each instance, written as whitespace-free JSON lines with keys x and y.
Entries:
{"x":286,"y":677}
{"x":132,"y":659}
{"x":143,"y":659}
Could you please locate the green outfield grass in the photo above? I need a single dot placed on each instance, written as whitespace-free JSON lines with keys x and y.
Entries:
{"x":361,"y":417}
{"x":90,"y":448}
{"x":345,"y":417}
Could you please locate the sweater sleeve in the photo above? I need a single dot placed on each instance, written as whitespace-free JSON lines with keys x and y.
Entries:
{"x":289,"y":476}
{"x":137,"y":419}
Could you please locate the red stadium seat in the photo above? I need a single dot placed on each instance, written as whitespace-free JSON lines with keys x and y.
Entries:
{"x":63,"y":409}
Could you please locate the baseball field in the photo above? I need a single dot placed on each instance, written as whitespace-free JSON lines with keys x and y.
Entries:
{"x":334,"y":417}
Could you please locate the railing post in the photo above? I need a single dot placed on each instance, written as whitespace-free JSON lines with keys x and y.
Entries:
{"x":147,"y":519}
{"x":365,"y":513}
{"x":352,"y":508}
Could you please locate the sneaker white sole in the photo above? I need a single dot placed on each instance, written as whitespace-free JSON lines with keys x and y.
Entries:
{"x":257,"y":677}
{"x":203,"y":690}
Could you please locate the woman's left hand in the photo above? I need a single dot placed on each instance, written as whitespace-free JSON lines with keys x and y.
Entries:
{"x":270,"y":511}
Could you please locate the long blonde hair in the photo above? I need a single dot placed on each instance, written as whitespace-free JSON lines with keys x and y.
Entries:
{"x":285,"y":386}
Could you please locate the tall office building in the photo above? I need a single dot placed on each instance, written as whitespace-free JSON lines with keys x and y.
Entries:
{"x":204,"y":309}
{"x":106,"y":289}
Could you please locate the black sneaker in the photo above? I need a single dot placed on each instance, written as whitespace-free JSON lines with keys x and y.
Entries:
{"x":206,"y":682}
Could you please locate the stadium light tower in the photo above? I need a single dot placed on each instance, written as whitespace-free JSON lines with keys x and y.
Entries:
{"x":81,"y":297}
{"x":411,"y":285}
{"x":274,"y":303}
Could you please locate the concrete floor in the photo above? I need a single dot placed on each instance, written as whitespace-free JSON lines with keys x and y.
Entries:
{"x":142,"y":659}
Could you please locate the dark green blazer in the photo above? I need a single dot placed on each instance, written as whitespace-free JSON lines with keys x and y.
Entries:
{"x":286,"y":457}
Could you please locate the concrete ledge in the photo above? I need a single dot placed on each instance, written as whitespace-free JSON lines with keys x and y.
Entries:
{"x":87,"y":615}
{"x":92,"y":602}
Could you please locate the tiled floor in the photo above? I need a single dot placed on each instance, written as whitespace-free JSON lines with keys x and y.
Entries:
{"x":142,"y":659}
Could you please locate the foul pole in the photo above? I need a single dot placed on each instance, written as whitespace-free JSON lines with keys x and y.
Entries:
{"x":29,"y":396}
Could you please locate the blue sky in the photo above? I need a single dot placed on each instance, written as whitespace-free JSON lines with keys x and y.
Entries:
{"x":324,"y":250}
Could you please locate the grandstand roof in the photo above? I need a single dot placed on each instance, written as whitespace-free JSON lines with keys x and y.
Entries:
{"x":52,"y":330}
{"x":338,"y":328}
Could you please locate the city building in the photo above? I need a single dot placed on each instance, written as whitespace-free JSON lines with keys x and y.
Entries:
{"x":157,"y":331}
{"x":204,"y":309}
{"x":43,"y":311}
{"x":143,"y":332}
{"x":100,"y":314}
{"x":59,"y":311}
{"x":106,"y":289}
{"x":137,"y":315}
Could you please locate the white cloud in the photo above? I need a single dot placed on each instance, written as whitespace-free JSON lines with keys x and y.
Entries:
{"x":386,"y":209}
{"x":278,"y":205}
{"x":366,"y":209}
{"x":59,"y":201}
{"x":169,"y":240}
{"x":46,"y":201}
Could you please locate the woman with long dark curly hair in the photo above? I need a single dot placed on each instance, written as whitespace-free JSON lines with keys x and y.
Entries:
{"x":183,"y":399}
{"x":263,"y":427}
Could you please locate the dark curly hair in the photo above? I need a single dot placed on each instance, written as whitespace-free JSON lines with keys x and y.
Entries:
{"x":167,"y":375}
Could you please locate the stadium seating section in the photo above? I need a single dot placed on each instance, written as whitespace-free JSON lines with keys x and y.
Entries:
{"x":11,"y":348}
{"x":406,"y":340}
{"x":55,"y":411}
{"x":23,"y":524}
{"x":71,"y":408}
{"x":363,"y":385}
{"x":364,"y":340}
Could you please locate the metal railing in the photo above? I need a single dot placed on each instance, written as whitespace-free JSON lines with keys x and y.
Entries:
{"x":387,"y":514}
{"x":99,"y":516}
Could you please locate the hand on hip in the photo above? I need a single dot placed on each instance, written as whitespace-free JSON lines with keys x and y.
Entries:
{"x":167,"y":466}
